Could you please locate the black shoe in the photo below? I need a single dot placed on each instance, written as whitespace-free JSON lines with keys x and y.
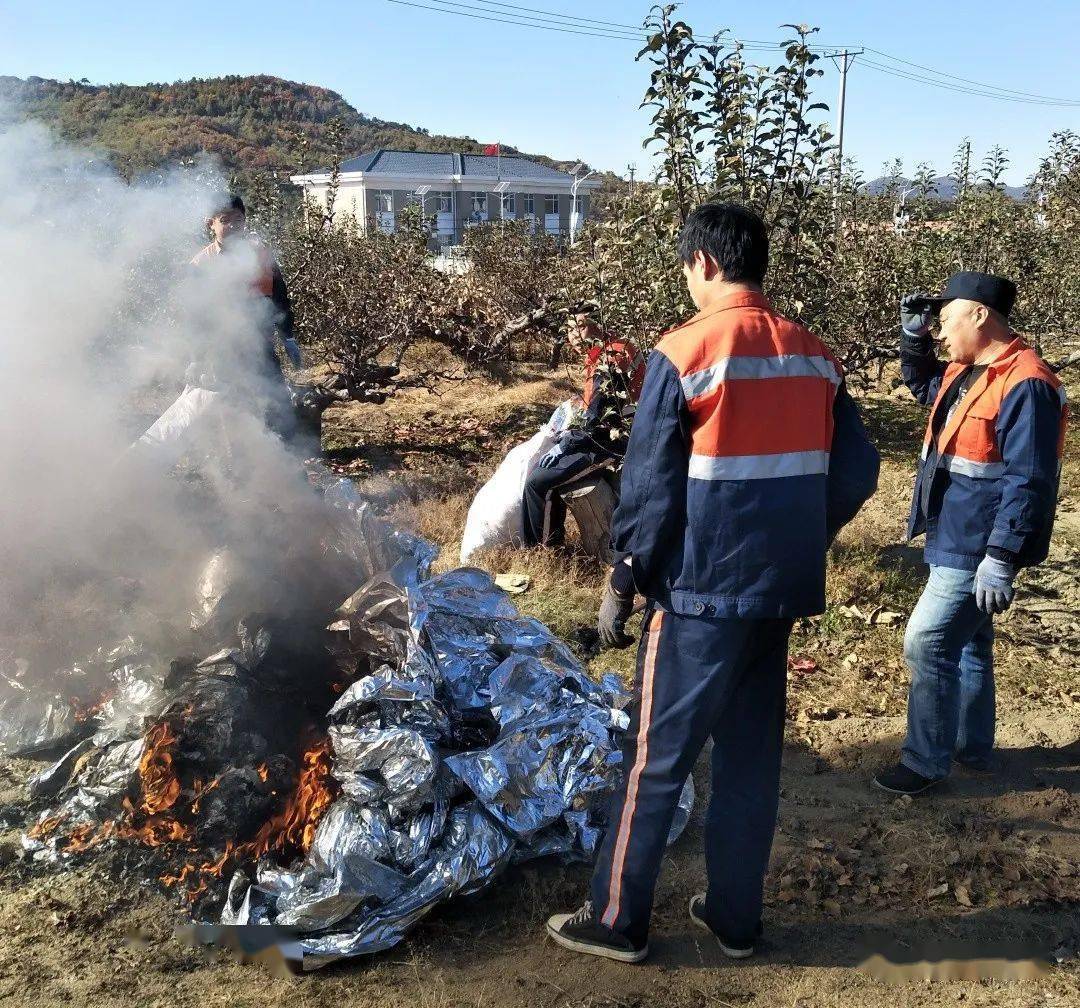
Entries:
{"x":902,"y":780}
{"x":733,"y":950}
{"x":985,"y":766}
{"x":581,"y":932}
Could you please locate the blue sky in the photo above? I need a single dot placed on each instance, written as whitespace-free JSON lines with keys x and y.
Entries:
{"x":572,"y":96}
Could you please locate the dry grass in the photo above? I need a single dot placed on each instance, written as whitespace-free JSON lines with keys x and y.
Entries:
{"x":849,"y":869}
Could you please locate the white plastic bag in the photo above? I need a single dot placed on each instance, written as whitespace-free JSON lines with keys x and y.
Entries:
{"x":495,"y":517}
{"x":169,"y":436}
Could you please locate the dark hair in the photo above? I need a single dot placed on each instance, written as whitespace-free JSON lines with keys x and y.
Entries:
{"x":730,"y":234}
{"x":227,"y":206}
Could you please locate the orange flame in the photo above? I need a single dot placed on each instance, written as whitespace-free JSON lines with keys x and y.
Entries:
{"x":160,"y":785}
{"x":154,"y":820}
{"x":293,"y":828}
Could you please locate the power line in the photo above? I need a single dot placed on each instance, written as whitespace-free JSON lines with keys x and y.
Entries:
{"x":905,"y":75}
{"x":567,"y":17}
{"x":623,"y":37}
{"x":569,"y":24}
{"x":965,"y":80}
{"x":556,"y":23}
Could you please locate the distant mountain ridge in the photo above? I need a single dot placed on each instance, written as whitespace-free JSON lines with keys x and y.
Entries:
{"x":945,"y":187}
{"x":252,"y":124}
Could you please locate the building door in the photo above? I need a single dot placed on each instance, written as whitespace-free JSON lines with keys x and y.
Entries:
{"x":384,"y":210}
{"x":444,"y":217}
{"x":552,"y":222}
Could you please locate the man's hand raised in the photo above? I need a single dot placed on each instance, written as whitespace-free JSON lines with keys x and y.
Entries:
{"x":916,"y":314}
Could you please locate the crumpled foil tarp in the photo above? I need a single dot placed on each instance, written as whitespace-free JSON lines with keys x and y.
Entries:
{"x":466,"y":739}
{"x":33,"y":718}
{"x":476,"y":741}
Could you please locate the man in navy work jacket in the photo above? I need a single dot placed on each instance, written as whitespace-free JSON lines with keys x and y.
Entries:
{"x":745,"y":458}
{"x":985,"y":497}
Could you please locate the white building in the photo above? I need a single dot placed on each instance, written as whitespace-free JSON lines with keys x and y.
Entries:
{"x":455,"y":190}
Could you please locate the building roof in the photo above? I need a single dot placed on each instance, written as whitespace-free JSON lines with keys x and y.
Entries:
{"x":392,"y":162}
{"x":511,"y":166}
{"x":421,"y":163}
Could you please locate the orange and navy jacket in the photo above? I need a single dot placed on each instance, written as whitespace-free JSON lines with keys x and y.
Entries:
{"x":989,"y":480}
{"x":606,"y":392}
{"x":746,"y":456}
{"x":621,"y":354}
{"x":262,"y":280}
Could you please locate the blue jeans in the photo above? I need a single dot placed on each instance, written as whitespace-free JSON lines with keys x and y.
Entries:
{"x":949,"y":647}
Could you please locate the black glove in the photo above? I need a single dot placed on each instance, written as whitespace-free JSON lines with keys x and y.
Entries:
{"x":916,"y":315}
{"x":615,"y":609}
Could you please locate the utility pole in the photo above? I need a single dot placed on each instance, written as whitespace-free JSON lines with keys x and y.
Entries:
{"x":842,"y":61}
{"x":632,"y":169}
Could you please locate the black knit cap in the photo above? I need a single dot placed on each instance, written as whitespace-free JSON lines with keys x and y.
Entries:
{"x":987,"y":289}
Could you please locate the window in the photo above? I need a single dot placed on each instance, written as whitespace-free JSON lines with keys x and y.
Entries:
{"x":444,"y":202}
{"x":528,"y":204}
{"x":383,"y":201}
{"x":479,"y":204}
{"x":551,"y":204}
{"x":508,"y":205}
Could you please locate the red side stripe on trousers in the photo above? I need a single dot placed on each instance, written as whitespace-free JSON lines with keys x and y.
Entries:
{"x":611,"y":914}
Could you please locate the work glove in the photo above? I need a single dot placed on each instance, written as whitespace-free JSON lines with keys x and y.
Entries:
{"x":994,"y":585}
{"x":916,"y":315}
{"x":551,"y":457}
{"x":615,"y":609}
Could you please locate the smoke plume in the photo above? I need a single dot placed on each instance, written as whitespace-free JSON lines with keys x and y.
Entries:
{"x":101,"y":319}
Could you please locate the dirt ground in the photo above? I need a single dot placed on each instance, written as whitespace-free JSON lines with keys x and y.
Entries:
{"x":985,"y":872}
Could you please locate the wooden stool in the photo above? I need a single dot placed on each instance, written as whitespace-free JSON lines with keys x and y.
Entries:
{"x":592,"y":501}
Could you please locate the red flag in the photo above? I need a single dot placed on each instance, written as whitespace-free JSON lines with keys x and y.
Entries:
{"x":492,"y":150}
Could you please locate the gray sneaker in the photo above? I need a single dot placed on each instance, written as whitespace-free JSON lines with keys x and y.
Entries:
{"x":733,"y":950}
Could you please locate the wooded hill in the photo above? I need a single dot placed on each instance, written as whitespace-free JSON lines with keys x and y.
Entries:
{"x":252,"y":124}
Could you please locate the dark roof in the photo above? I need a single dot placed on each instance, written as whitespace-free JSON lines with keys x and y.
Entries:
{"x":512,"y":167}
{"x":392,"y":162}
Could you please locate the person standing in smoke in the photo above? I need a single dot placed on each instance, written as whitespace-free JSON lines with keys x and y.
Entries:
{"x":228,"y":227}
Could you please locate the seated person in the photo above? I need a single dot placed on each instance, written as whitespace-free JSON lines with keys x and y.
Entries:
{"x":595,"y":439}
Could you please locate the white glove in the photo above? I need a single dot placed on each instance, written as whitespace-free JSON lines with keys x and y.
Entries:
{"x":994,"y":585}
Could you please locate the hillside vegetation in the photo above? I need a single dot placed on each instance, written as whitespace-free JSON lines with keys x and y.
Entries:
{"x":251,"y":124}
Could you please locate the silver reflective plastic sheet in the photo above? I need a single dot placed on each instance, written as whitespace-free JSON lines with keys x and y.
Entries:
{"x":485,"y":744}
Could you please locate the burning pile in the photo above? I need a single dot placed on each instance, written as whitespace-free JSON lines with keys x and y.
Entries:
{"x":336,"y":782}
{"x":462,"y":738}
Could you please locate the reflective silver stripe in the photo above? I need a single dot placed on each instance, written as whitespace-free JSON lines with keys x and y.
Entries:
{"x":1063,"y":396}
{"x":783,"y":366}
{"x":925,"y":451}
{"x":967,"y":467}
{"x":742,"y":467}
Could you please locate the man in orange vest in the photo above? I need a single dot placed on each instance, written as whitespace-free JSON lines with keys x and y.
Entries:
{"x":614,"y":370}
{"x":746,"y":457}
{"x":985,"y":497}
{"x":228,"y":226}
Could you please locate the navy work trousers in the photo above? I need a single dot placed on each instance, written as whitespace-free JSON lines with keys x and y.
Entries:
{"x":696,"y":678}
{"x":543,"y":509}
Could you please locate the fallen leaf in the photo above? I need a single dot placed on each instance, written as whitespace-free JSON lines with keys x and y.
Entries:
{"x":963,"y":897}
{"x":940,"y":890}
{"x":887,"y":618}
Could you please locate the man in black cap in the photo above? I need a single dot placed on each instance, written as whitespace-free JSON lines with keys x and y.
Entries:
{"x":985,"y":497}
